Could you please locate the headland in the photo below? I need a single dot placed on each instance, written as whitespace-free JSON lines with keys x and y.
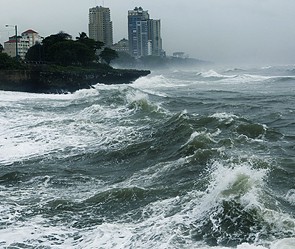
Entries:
{"x":57,"y":79}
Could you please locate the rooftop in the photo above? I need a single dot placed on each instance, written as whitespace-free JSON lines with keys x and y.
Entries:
{"x":30,"y":31}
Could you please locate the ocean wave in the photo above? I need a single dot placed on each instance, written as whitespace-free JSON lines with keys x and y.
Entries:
{"x":171,"y":161}
{"x":214,"y":75}
{"x":234,"y":211}
{"x":282,"y":79}
{"x":224,"y":117}
{"x":228,"y":78}
{"x":157,"y":81}
{"x":139,"y":100}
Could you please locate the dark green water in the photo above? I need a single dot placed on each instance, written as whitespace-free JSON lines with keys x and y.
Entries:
{"x":179,"y":159}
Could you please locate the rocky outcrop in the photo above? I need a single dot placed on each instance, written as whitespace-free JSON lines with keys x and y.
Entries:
{"x":49,"y":81}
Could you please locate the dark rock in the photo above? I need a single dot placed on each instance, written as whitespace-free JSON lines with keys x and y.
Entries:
{"x":50,"y":81}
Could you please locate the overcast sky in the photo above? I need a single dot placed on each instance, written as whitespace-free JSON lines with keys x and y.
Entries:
{"x":225,"y":31}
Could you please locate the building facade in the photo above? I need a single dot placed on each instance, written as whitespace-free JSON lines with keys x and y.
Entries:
{"x":155,"y":37}
{"x":100,"y":25}
{"x":121,"y":46}
{"x":22,"y":47}
{"x":32,"y":36}
{"x":28,"y":39}
{"x":138,"y":32}
{"x":144,"y":34}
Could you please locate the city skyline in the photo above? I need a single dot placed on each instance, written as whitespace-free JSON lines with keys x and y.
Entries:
{"x":144,"y":34}
{"x":222,"y":31}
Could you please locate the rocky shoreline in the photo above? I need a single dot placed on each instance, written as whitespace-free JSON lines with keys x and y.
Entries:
{"x":42,"y":80}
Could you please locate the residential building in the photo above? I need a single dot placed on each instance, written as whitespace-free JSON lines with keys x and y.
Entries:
{"x":144,"y":34}
{"x":100,"y":25}
{"x":138,"y":32}
{"x":155,"y":37}
{"x":32,"y":36}
{"x":121,"y":46}
{"x":22,"y":46}
{"x":28,"y":39}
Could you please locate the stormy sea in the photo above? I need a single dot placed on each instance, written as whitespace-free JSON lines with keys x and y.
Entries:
{"x":199,"y":158}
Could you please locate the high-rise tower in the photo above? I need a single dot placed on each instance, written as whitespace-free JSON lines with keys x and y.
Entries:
{"x":144,"y":34}
{"x":100,"y":25}
{"x":154,"y":31}
{"x":138,"y":32}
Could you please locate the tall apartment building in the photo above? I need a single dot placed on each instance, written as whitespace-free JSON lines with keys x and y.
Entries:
{"x":144,"y":34}
{"x":138,"y":32}
{"x":100,"y":25}
{"x":155,"y":38}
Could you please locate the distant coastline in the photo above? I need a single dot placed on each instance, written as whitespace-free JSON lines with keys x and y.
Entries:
{"x":61,"y":64}
{"x":156,"y":62}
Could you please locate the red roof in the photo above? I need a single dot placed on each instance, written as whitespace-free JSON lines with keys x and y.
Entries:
{"x":30,"y":31}
{"x":10,"y":41}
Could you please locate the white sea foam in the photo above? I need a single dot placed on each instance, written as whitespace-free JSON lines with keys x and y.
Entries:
{"x":244,"y":78}
{"x":8,"y":96}
{"x":153,"y":83}
{"x":223,"y":116}
{"x":162,"y":226}
{"x":213,"y":74}
{"x":107,"y":235}
{"x":136,"y":96}
{"x":290,"y":196}
{"x":288,"y":243}
{"x":35,"y":128}
{"x":36,"y":233}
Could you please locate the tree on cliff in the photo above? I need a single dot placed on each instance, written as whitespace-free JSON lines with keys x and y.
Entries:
{"x":90,"y":43}
{"x":35,"y":53}
{"x":125,"y":60}
{"x":71,"y":53}
{"x":108,"y":55}
{"x":6,"y":62}
{"x":61,"y":49}
{"x":52,"y":40}
{"x":1,"y":48}
{"x":41,"y":52}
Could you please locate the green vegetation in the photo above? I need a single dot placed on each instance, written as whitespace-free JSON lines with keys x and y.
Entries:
{"x":60,"y":64}
{"x":108,"y":55}
{"x":60,"y":49}
{"x":6,"y":62}
{"x":125,"y":60}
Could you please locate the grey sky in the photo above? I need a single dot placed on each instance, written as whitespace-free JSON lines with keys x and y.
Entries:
{"x":228,"y":31}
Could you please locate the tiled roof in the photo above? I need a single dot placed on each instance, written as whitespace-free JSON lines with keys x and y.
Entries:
{"x":30,"y":31}
{"x":10,"y":41}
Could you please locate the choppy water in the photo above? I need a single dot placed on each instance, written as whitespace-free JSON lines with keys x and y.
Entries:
{"x":180,"y":159}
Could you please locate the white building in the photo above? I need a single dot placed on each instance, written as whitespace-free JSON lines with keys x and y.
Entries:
{"x":28,"y":39}
{"x":23,"y":46}
{"x":32,"y":36}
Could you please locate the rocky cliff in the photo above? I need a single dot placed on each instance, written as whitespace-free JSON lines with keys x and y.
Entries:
{"x":40,"y":80}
